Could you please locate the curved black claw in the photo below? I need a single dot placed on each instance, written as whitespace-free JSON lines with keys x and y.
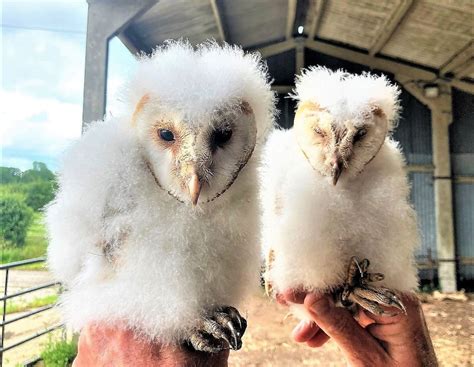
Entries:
{"x":220,"y":329}
{"x":358,"y":291}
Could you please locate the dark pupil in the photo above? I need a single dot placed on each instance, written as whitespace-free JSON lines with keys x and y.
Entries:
{"x":166,"y":135}
{"x":220,"y":137}
{"x":360,"y":134}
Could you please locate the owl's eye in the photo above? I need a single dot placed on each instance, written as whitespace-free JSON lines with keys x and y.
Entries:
{"x":220,"y":137}
{"x":166,"y":135}
{"x":319,"y":132}
{"x":360,"y":134}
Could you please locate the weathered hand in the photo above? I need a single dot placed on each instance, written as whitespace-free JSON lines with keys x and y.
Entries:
{"x":400,"y":340}
{"x":101,"y":346}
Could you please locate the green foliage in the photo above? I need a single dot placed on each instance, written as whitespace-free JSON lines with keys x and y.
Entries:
{"x":25,"y":305}
{"x":59,"y":354}
{"x":35,"y":245}
{"x":15,"y":218}
{"x":36,"y":186}
{"x":39,"y":193}
{"x":39,"y":173}
{"x":9,"y":175}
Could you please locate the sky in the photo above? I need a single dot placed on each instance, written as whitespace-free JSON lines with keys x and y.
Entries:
{"x":42,"y":60}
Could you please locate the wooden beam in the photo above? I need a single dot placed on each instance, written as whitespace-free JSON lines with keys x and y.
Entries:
{"x":465,"y":70}
{"x":290,"y":20}
{"x":458,"y":59}
{"x":282,"y":89}
{"x":370,"y":61}
{"x":277,"y":48}
{"x":217,"y":16}
{"x":415,"y":90}
{"x":391,"y":26}
{"x":318,"y":10}
{"x":299,"y":55}
{"x":461,"y":85}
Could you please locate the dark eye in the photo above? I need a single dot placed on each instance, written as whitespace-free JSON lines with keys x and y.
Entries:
{"x":220,"y":137}
{"x":319,"y":132}
{"x":360,"y":134}
{"x":166,"y":135}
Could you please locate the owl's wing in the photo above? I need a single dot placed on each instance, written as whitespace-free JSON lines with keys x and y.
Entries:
{"x":75,"y":219}
{"x":276,"y":161}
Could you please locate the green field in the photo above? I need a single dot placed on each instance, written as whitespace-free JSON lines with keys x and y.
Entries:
{"x":35,"y":245}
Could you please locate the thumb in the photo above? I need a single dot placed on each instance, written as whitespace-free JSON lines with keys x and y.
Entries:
{"x":359,"y":347}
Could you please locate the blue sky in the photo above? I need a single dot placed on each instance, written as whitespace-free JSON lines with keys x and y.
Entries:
{"x":43,"y":49}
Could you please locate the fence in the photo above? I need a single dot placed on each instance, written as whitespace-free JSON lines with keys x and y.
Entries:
{"x":6,"y":297}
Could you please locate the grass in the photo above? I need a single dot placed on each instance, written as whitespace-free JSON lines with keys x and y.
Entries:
{"x":20,"y":306}
{"x":59,"y":354}
{"x":35,"y":246}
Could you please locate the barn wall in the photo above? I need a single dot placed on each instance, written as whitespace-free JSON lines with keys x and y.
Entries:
{"x":462,"y":161}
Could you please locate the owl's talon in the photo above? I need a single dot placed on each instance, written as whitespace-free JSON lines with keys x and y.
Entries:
{"x":221,"y":329}
{"x":357,"y":291}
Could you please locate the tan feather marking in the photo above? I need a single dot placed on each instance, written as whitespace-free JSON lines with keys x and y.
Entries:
{"x":278,"y":205}
{"x":245,"y":107}
{"x":139,"y":107}
{"x":308,"y":106}
{"x":377,"y":111}
{"x":270,"y":258}
{"x":110,"y":247}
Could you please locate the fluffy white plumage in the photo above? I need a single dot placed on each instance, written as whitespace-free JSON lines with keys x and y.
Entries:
{"x":347,"y":95}
{"x":311,"y":227}
{"x":127,"y":250}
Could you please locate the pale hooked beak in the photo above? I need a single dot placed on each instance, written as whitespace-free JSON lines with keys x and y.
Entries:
{"x":337,"y":167}
{"x":194,"y":186}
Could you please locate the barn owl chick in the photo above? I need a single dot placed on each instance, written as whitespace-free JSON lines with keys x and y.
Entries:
{"x":154,"y":226}
{"x":335,"y":194}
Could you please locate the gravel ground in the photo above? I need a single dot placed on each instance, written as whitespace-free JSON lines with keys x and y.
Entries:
{"x":268,"y":343}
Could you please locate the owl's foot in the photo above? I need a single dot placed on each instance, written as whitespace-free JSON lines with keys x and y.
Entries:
{"x":358,"y":291}
{"x":220,"y":329}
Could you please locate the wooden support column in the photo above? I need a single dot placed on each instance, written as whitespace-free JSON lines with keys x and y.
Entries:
{"x":441,"y":118}
{"x":299,"y":55}
{"x":105,"y":19}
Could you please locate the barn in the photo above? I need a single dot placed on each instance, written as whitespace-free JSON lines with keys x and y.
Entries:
{"x":424,"y":45}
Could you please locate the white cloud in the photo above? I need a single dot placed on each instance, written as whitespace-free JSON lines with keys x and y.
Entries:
{"x":37,"y":127}
{"x":44,"y":63}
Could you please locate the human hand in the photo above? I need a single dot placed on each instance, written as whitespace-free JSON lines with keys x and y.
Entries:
{"x":101,"y":346}
{"x":400,"y":340}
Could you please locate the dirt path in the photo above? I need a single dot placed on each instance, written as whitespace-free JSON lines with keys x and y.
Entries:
{"x":268,"y":343}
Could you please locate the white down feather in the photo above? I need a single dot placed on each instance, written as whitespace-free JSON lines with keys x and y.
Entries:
{"x":177,"y":262}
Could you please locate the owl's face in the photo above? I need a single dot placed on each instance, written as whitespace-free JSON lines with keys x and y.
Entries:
{"x":334,"y":147}
{"x":195,"y":160}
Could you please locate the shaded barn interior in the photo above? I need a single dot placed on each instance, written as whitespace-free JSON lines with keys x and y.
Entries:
{"x":424,"y":45}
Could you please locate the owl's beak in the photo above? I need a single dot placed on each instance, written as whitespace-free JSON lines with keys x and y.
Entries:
{"x":336,"y":166}
{"x":194,"y":186}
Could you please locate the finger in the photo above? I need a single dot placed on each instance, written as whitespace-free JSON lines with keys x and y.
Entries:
{"x":412,"y":305}
{"x":304,"y":331}
{"x":280,"y":298}
{"x":356,"y":343}
{"x":294,"y":295}
{"x":318,"y":340}
{"x":363,"y":318}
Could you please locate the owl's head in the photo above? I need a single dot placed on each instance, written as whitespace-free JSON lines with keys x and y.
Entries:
{"x":342,"y":119}
{"x":198,"y":115}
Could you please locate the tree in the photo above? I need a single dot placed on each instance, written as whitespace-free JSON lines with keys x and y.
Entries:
{"x":15,"y":218}
{"x":39,"y":193}
{"x":9,"y":175}
{"x":40,"y":172}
